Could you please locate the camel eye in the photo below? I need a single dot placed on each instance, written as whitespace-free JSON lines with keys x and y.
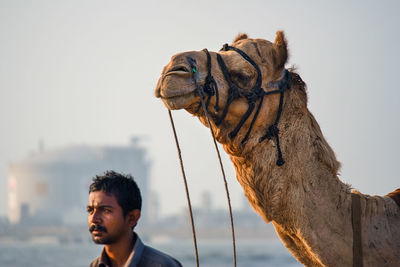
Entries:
{"x":241,"y":78}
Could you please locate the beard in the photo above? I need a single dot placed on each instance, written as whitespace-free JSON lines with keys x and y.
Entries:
{"x":103,"y":240}
{"x":103,"y":237}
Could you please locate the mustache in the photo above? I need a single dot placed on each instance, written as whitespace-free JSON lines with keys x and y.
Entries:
{"x":97,"y":227}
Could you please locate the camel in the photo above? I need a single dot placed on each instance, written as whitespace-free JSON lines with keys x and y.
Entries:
{"x":285,"y":166}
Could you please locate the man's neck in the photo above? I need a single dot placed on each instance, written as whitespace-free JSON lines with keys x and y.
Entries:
{"x":119,"y":252}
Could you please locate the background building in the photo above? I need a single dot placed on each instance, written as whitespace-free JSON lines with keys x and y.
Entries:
{"x":51,"y":187}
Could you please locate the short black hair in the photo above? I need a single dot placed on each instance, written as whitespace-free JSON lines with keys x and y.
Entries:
{"x":122,"y":186}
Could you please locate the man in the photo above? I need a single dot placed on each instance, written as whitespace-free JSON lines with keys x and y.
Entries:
{"x":113,"y":212}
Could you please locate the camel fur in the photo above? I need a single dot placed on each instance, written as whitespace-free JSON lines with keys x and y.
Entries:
{"x":308,"y":205}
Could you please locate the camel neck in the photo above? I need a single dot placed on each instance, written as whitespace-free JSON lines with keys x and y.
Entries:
{"x":309,"y":174}
{"x":304,"y":198}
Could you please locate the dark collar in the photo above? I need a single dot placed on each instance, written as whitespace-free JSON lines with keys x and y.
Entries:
{"x":137,"y":246}
{"x":104,"y":259}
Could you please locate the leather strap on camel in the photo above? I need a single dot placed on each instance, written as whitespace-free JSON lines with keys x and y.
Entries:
{"x":210,"y":88}
{"x":356,"y":223}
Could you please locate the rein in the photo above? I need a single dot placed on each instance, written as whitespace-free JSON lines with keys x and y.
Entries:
{"x":186,"y":189}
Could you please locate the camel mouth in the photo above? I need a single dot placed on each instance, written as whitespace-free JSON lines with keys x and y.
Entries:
{"x":176,"y":83}
{"x":178,"y":70}
{"x":176,"y":87}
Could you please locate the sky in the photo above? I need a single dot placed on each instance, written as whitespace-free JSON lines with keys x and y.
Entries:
{"x":84,"y":72}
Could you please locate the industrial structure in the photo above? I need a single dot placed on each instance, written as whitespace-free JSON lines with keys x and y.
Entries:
{"x":51,"y":187}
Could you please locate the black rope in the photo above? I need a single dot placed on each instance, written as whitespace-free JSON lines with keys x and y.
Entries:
{"x":252,"y":95}
{"x":210,"y":86}
{"x":253,"y":120}
{"x":233,"y":91}
{"x":226,"y":47}
{"x":273,"y":130}
{"x":235,"y":131}
{"x":225,"y":182}
{"x":201,"y":94}
{"x":186,"y":188}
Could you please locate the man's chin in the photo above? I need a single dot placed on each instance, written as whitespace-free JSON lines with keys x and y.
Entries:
{"x":101,"y":240}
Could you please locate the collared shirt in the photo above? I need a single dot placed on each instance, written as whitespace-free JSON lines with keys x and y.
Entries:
{"x":141,"y":256}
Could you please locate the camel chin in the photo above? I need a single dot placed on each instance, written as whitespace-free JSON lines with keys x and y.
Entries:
{"x":180,"y":101}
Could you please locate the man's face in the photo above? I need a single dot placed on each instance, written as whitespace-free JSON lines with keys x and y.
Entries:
{"x":105,"y":218}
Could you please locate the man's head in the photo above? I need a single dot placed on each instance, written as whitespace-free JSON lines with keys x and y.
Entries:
{"x":113,"y":208}
{"x":123,"y":187}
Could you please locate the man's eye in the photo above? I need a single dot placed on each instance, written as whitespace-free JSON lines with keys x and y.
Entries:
{"x":89,"y":210}
{"x":107,"y":210}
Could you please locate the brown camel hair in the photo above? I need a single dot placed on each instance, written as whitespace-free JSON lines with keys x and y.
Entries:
{"x":308,"y":205}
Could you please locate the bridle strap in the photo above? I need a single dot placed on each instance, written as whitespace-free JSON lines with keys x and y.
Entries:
{"x":253,"y":120}
{"x":256,"y":93}
{"x":251,"y":95}
{"x":226,"y":47}
{"x":233,"y":91}
{"x":273,"y":130}
{"x":357,"y":230}
{"x":210,"y":86}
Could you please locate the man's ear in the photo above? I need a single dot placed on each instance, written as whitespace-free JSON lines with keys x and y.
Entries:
{"x":280,"y":50}
{"x":133,"y":217}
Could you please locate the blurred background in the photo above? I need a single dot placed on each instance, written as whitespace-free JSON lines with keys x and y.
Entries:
{"x":76,"y":99}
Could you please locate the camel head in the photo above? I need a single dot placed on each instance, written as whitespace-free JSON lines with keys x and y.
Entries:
{"x":232,"y":83}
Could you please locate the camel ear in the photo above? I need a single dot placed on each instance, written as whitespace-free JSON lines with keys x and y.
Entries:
{"x":280,"y":50}
{"x":240,"y":36}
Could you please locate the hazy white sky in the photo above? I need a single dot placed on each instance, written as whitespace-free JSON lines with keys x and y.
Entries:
{"x":84,"y":72}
